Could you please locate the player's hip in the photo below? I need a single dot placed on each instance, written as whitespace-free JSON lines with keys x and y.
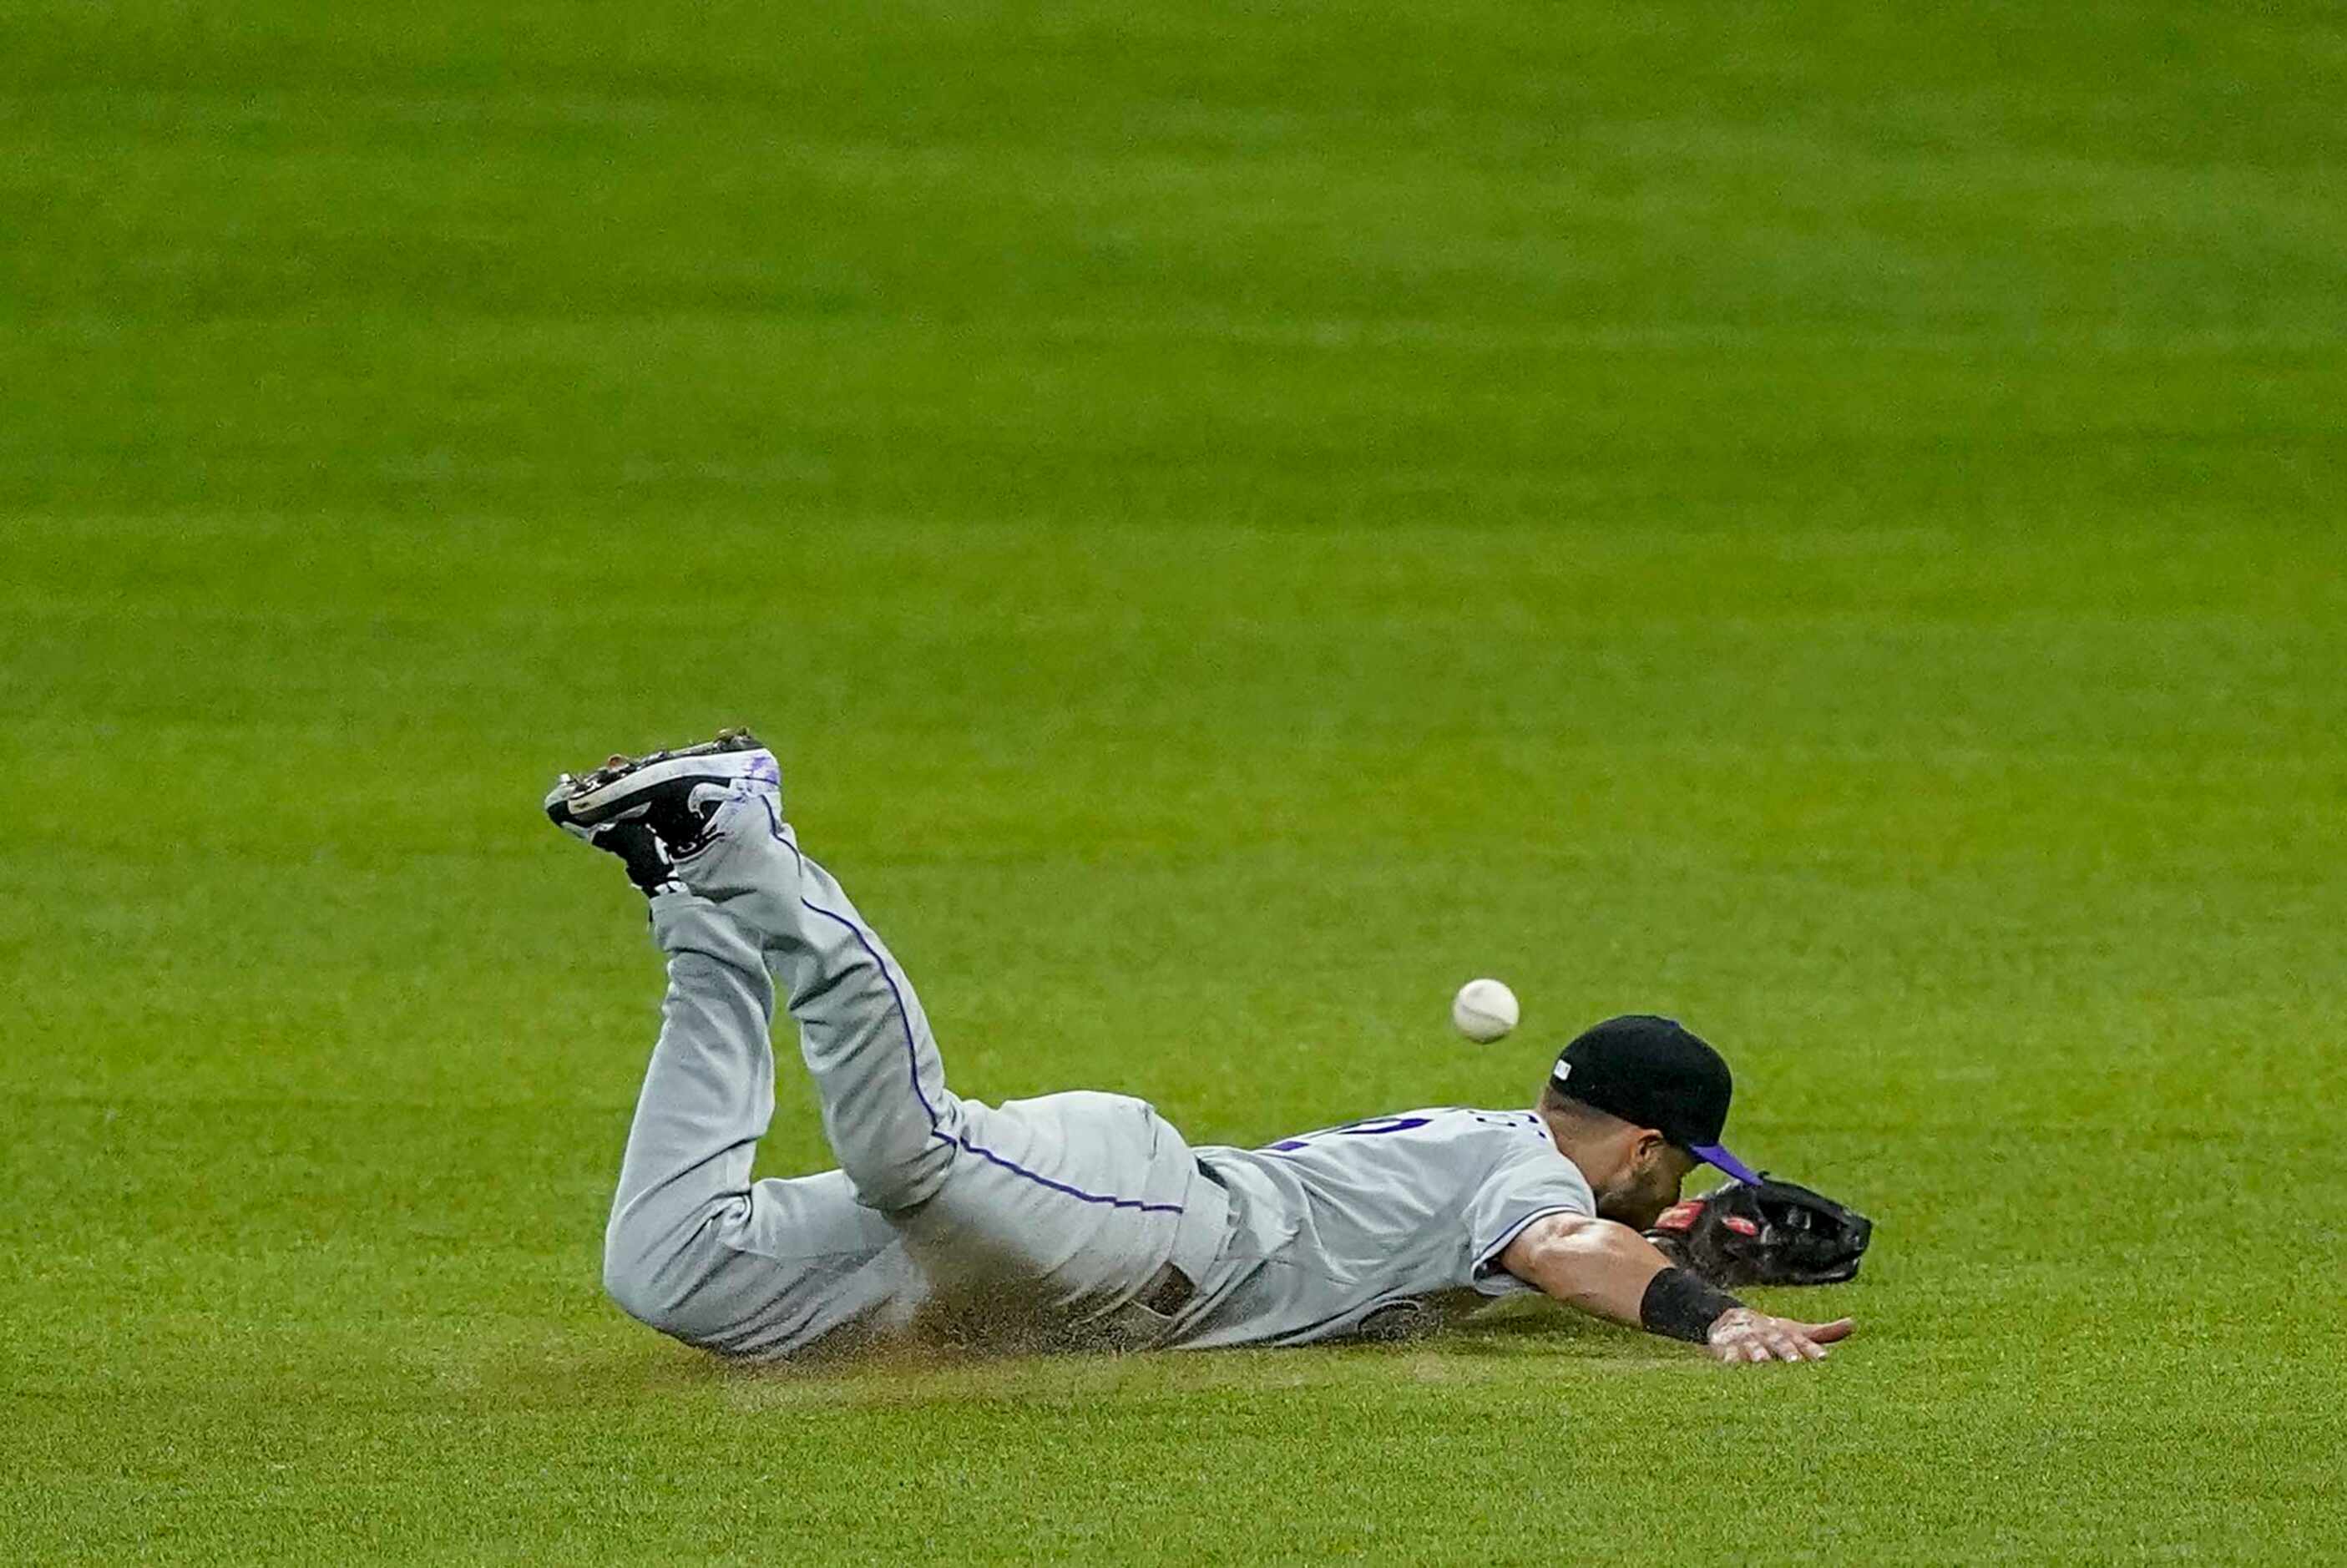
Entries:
{"x":1076,"y":1202}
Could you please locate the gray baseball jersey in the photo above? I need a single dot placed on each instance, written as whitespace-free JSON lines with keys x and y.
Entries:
{"x":1383,"y":1226}
{"x":1074,"y":1219}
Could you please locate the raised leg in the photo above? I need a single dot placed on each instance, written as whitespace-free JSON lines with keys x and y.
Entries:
{"x":1079,"y":1204}
{"x":694,"y":1249}
{"x":1072,"y":1203}
{"x":894,"y":1126}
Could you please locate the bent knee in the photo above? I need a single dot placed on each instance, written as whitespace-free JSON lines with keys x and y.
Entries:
{"x":662,"y":1280}
{"x":635,"y":1291}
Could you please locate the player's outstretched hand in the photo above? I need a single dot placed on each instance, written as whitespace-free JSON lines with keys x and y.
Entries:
{"x":1744,"y":1335}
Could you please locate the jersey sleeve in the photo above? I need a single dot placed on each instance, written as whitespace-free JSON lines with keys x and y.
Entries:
{"x":1528,"y":1187}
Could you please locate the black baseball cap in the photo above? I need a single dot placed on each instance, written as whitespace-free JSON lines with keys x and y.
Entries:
{"x":1651,"y":1073}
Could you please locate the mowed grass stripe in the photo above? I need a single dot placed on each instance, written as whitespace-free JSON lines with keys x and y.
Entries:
{"x":1822,"y":524}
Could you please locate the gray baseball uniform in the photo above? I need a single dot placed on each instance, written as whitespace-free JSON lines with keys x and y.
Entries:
{"x":1078,"y":1219}
{"x":1383,"y":1226}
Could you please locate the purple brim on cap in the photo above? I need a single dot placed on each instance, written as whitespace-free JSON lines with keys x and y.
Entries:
{"x":1718,"y":1154}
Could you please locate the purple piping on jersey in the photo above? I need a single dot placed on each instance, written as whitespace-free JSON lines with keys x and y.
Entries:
{"x":913,"y":1059}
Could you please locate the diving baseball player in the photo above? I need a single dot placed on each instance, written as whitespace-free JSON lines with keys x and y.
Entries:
{"x":1082,"y":1220}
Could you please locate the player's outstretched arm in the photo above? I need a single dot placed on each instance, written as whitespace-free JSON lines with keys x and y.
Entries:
{"x":1614,"y":1272}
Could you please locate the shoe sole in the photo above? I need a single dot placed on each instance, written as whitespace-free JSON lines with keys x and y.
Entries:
{"x":611,"y":793}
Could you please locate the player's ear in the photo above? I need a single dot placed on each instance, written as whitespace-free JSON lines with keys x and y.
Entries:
{"x":1647,"y":1149}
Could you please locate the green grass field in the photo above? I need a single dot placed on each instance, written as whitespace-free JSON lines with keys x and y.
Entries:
{"x":1825,"y":521}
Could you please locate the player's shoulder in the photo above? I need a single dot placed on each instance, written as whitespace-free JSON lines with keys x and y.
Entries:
{"x":1515,"y":1146}
{"x":1499,"y":1137}
{"x":1519,"y":1126}
{"x":1452,"y":1122}
{"x":1462,"y":1135}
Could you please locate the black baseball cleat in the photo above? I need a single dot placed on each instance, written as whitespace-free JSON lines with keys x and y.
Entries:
{"x":653,"y":811}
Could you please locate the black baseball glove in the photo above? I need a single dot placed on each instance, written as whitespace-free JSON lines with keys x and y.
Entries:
{"x":1772,"y":1234}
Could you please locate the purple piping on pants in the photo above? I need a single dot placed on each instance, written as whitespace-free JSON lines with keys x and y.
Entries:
{"x":913,"y":1061}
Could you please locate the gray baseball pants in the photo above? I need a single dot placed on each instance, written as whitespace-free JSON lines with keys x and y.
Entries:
{"x":1052,"y":1221}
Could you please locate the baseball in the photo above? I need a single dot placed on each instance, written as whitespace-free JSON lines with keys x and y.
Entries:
{"x":1484,"y":1009}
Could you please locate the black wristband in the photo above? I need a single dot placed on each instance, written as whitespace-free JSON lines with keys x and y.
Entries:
{"x":1680,"y":1305}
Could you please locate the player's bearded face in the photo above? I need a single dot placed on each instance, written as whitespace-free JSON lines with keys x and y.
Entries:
{"x":1647,"y":1187}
